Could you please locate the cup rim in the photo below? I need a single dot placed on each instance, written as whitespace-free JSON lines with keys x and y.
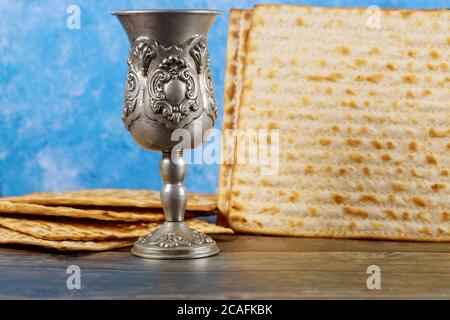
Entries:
{"x":175,"y":11}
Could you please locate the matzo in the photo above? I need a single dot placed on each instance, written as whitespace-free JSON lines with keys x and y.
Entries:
{"x":8,"y":236}
{"x":89,"y":230}
{"x":363,"y":114}
{"x":98,"y":213}
{"x":113,"y":197}
{"x":239,"y":27}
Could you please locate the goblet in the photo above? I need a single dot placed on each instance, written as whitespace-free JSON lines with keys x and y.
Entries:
{"x":169,"y":87}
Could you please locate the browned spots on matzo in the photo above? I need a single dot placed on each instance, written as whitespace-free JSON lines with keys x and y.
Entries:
{"x":435,"y":133}
{"x":372,"y":78}
{"x":412,"y":146}
{"x":335,"y":128}
{"x":437,"y":187}
{"x":232,"y":69}
{"x":237,"y":205}
{"x":406,"y":216}
{"x":305,"y":101}
{"x":390,"y":214}
{"x":273,"y":125}
{"x":271,"y":73}
{"x":325,"y":142}
{"x":277,"y":60}
{"x":333,"y":77}
{"x":424,"y":216}
{"x":356,"y":157}
{"x":299,"y":22}
{"x":410,"y":79}
{"x":259,"y":224}
{"x":290,"y":156}
{"x":419,"y":201}
{"x":353,"y":142}
{"x":414,"y":173}
{"x":390,"y":66}
{"x":294,"y":196}
{"x":339,"y":197}
{"x":234,"y":34}
{"x":377,"y":144}
{"x":374,"y":51}
{"x":360,"y":62}
{"x":377,"y":225}
{"x":431,"y":159}
{"x":410,"y":94}
{"x":434,"y":54}
{"x":230,"y":91}
{"x":310,"y":168}
{"x":431,"y":67}
{"x":343,"y":50}
{"x":352,"y":104}
{"x":411,"y":53}
{"x":296,"y":223}
{"x":260,"y":21}
{"x":266,"y":182}
{"x":399,"y":170}
{"x":427,"y":230}
{"x":355,"y":212}
{"x":247,"y":85}
{"x":399,"y":186}
{"x":293,"y":61}
{"x":270,"y":209}
{"x":229,"y":110}
{"x":406,"y":13}
{"x":445,"y":216}
{"x":313,"y":211}
{"x":367,"y":171}
{"x":238,"y":219}
{"x":369,"y":198}
{"x":350,"y":92}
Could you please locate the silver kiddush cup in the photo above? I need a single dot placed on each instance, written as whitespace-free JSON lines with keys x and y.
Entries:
{"x":169,"y":87}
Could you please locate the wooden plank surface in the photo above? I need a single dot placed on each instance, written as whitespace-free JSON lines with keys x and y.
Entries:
{"x":248,"y":267}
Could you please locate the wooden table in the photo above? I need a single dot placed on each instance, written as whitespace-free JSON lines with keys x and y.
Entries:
{"x":248,"y":267}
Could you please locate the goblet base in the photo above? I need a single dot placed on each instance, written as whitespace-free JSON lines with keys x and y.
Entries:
{"x":175,"y":240}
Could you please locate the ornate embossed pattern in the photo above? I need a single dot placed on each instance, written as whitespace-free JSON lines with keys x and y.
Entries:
{"x":169,"y":70}
{"x":209,"y":85}
{"x":174,"y":239}
{"x":141,"y":54}
{"x":171,"y":85}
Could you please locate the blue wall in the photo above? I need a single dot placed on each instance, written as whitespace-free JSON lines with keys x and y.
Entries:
{"x":61,"y":94}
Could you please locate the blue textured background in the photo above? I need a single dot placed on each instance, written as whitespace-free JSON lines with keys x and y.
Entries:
{"x":61,"y":94}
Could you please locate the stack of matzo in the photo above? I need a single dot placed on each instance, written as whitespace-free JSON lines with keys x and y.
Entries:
{"x":364,"y":120}
{"x":92,"y":220}
{"x":240,"y":21}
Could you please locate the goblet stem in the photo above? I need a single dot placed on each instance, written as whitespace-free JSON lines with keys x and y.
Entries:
{"x":174,"y":239}
{"x":173,"y":168}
